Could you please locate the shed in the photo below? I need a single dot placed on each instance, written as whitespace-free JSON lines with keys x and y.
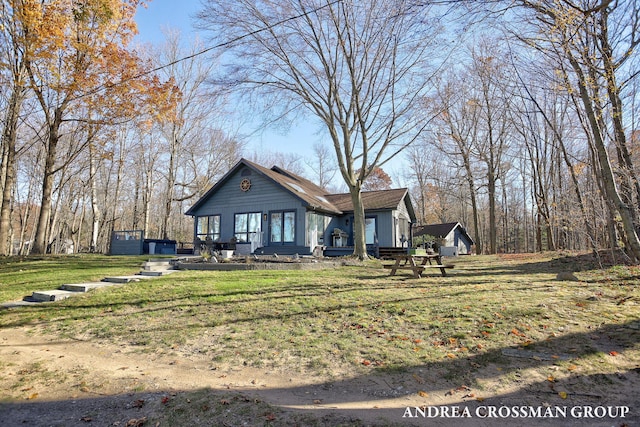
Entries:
{"x":453,"y":235}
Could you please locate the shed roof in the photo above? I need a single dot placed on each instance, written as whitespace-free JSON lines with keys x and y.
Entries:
{"x":439,"y":230}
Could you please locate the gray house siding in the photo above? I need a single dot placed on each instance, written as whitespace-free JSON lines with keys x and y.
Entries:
{"x":461,"y":242}
{"x":264,"y":197}
{"x":252,"y":189}
{"x":384,"y":226}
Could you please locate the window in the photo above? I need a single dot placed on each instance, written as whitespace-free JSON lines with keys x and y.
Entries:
{"x":246,"y":226}
{"x":371,"y":236}
{"x":316,"y":225}
{"x":283,"y":227}
{"x":208,"y":227}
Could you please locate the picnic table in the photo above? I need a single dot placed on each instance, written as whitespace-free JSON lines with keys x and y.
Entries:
{"x":418,"y":263}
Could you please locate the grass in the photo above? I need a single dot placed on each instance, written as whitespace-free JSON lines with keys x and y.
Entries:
{"x":355,"y":320}
{"x":354,"y":317}
{"x":20,"y":276}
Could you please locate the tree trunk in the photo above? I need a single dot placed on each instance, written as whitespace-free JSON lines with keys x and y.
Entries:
{"x":491,"y":186}
{"x":625,"y":210}
{"x":173,"y":144}
{"x":9,"y":172}
{"x":95,"y":208}
{"x":359,"y":238}
{"x":8,"y":177}
{"x":42,"y":228}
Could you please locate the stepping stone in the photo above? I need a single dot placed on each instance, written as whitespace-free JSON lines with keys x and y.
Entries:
{"x":25,"y":302}
{"x":84,"y":287}
{"x":155,"y":273}
{"x":151,"y":273}
{"x":157,"y":265}
{"x":54,"y":295}
{"x":121,"y":279}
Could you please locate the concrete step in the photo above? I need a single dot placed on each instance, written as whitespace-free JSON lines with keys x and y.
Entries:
{"x":53,"y":295}
{"x":84,"y":287}
{"x":122,"y":279}
{"x":153,"y":273}
{"x":157,"y":265}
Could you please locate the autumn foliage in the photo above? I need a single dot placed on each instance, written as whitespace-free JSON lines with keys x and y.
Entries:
{"x":79,"y":68}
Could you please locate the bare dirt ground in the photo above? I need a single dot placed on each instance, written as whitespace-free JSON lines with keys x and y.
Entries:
{"x":46,"y":381}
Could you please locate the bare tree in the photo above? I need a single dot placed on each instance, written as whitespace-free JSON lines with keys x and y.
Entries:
{"x":360,"y":68}
{"x":195,"y":110}
{"x":323,"y":165}
{"x":459,"y":121}
{"x":592,"y":44}
{"x":13,"y":42}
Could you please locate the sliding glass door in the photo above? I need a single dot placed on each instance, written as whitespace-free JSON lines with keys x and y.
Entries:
{"x":283,"y":227}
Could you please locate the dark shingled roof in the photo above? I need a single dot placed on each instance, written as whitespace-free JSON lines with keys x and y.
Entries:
{"x":306,"y":190}
{"x":380,"y":199}
{"x":438,"y":230}
{"x":313,"y":195}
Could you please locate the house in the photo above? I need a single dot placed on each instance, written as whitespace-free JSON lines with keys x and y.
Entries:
{"x":267,"y":211}
{"x":451,"y":235}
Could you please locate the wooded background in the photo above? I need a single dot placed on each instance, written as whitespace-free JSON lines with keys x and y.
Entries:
{"x":529,"y":112}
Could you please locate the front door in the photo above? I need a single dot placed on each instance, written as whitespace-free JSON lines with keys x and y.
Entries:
{"x":283,"y":228}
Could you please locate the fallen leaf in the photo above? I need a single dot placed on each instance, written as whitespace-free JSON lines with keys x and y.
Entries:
{"x":423,"y":393}
{"x":551,"y":379}
{"x":480,"y":399}
{"x":613,"y":353}
{"x":572,"y":367}
{"x":563,"y":394}
{"x":451,"y":355}
{"x":32,"y":396}
{"x":136,"y":422}
{"x":165,"y":400}
{"x":317,"y":401}
{"x":366,"y":362}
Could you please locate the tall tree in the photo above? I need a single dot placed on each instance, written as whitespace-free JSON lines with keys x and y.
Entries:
{"x":359,"y":68}
{"x":194,"y":111}
{"x":77,"y":47}
{"x":459,"y":121}
{"x":14,"y":43}
{"x":592,"y":43}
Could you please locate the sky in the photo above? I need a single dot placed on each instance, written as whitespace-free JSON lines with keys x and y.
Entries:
{"x":179,"y":14}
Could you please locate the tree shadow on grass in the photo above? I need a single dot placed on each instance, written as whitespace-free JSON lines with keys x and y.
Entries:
{"x":530,"y":383}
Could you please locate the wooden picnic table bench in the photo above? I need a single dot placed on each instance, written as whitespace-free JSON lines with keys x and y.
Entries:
{"x":418,"y":263}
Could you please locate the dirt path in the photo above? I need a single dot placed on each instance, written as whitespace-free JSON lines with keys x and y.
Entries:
{"x":47,"y":381}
